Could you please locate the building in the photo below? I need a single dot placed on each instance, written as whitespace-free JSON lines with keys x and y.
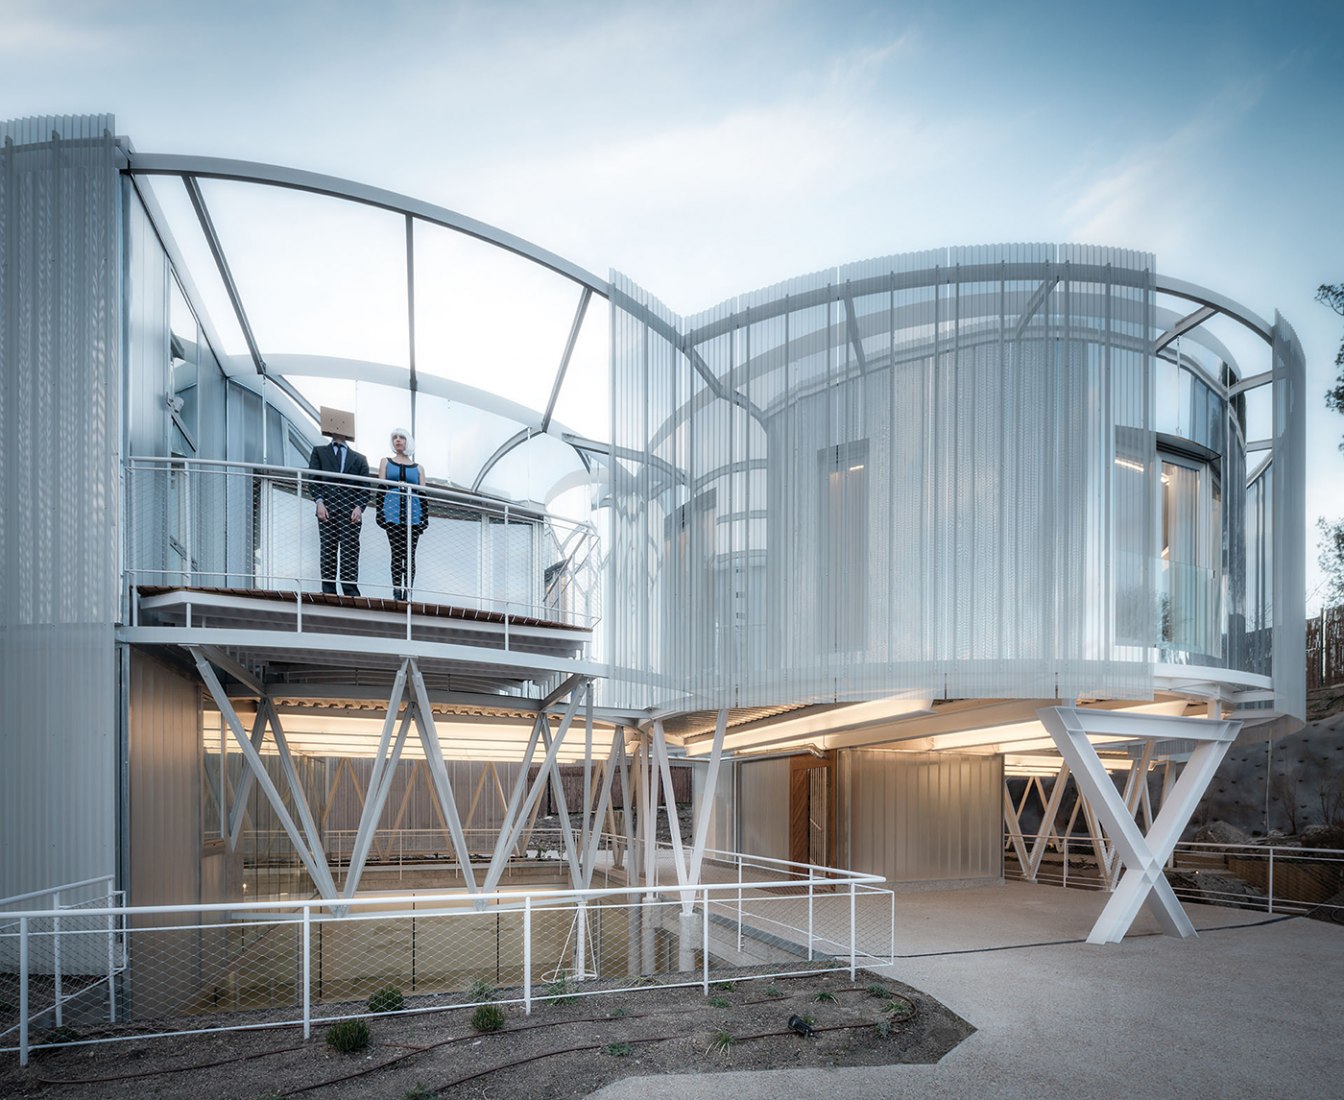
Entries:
{"x":856,"y":548}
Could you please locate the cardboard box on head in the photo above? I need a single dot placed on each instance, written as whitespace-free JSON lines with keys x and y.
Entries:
{"x":337,"y":423}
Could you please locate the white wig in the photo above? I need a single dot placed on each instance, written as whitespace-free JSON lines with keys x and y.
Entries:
{"x":410,"y":439}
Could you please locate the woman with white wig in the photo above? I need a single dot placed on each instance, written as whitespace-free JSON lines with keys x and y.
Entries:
{"x":402,"y":513}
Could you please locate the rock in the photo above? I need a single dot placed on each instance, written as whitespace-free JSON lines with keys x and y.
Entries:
{"x":1220,"y":832}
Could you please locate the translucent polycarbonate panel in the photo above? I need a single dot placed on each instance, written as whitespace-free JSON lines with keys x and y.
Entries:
{"x":487,"y":317}
{"x":538,"y":469}
{"x":316,"y":275}
{"x":1289,"y":520}
{"x":929,"y":474}
{"x":60,"y":418}
{"x":455,"y":441}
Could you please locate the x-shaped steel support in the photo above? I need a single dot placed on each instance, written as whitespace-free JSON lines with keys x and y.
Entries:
{"x":1143,"y":855}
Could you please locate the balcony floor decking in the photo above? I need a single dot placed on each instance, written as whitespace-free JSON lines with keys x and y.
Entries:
{"x":317,"y":638}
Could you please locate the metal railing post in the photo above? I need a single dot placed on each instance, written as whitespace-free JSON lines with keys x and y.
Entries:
{"x":739,"y":902}
{"x":186,"y":507}
{"x":527,"y":954}
{"x":56,"y":957}
{"x":112,"y":964}
{"x":23,"y":991}
{"x":1066,"y":862}
{"x":1271,"y":878}
{"x":853,"y":933}
{"x":704,"y":942}
{"x":298,"y":544}
{"x":307,"y":972}
{"x":810,"y":896}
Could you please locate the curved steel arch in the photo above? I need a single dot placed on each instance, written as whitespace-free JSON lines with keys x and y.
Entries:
{"x":274,"y":175}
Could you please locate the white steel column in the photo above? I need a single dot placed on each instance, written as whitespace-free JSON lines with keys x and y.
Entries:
{"x":707,"y":797}
{"x":429,"y":737}
{"x":326,"y":885}
{"x":384,"y":772}
{"x":1142,"y":855}
{"x":254,"y":761}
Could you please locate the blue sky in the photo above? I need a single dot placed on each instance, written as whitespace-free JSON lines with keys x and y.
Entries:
{"x":710,"y":148}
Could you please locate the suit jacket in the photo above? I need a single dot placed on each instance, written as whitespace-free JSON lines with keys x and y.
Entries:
{"x":340,"y":497}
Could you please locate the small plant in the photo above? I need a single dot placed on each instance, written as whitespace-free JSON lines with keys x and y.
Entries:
{"x":487,"y":1018}
{"x":387,"y":999}
{"x":481,"y":991}
{"x":825,"y":997}
{"x":618,"y":1013}
{"x":348,"y":1036}
{"x":559,"y":992}
{"x":898,"y":1008}
{"x":878,"y":990}
{"x":618,"y":1050}
{"x":773,"y":991}
{"x":721,"y":1043}
{"x":719,"y":1002}
{"x":420,"y":1092}
{"x":883,"y":1028}
{"x":723,"y":987}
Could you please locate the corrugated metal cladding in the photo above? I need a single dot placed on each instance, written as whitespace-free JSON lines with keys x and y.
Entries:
{"x":763,"y":807}
{"x":720,"y":835}
{"x":922,"y":816}
{"x":59,"y":418}
{"x":165,"y":784}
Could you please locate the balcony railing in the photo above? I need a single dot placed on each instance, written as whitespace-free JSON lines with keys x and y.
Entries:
{"x":207,"y":524}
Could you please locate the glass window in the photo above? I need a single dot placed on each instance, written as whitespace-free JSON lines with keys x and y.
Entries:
{"x":843,"y":562}
{"x":1190,"y":566}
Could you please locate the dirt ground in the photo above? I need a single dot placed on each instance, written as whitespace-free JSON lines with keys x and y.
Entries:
{"x":564,"y":1049}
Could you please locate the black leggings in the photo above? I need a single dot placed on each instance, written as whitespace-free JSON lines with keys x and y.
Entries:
{"x":396,"y":539}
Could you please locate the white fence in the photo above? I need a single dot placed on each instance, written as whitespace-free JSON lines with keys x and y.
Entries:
{"x":205,"y":524}
{"x":192,"y":969}
{"x":1275,"y":878}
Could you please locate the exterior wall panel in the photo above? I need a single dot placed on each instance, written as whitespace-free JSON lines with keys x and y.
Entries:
{"x":763,"y":807}
{"x":165,"y":785}
{"x":916,"y":817}
{"x":59,"y":500}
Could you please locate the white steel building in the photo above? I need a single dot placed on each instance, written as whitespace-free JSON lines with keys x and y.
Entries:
{"x":855,"y":548}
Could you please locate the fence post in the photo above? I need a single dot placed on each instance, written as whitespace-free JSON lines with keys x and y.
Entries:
{"x":307,"y":972}
{"x":810,"y":881}
{"x":853,"y":933}
{"x":1066,"y":862}
{"x":56,"y":956}
{"x":527,"y":954}
{"x":186,"y":507}
{"x":112,"y":964}
{"x":23,"y":991}
{"x":1271,"y":875}
{"x":739,"y":902}
{"x":704,"y":942}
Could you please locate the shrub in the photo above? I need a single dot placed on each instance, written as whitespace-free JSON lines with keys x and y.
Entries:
{"x":487,"y":1018}
{"x":825,"y":997}
{"x":719,"y":1002}
{"x":481,"y":991}
{"x":618,"y":1050}
{"x":348,"y":1036}
{"x":387,"y":999}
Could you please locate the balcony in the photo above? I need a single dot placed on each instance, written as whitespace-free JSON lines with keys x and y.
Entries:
{"x":502,"y":597}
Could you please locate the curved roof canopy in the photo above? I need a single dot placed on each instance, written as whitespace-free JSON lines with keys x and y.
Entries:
{"x":491,"y":349}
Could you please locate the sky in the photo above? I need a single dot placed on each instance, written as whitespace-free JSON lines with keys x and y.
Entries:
{"x":707,"y":149}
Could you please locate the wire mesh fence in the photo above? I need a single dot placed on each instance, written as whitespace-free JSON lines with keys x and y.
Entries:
{"x":172,"y":970}
{"x":234,"y":525}
{"x":1272,"y":878}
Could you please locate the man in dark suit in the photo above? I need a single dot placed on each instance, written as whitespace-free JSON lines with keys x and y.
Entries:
{"x":340,"y":510}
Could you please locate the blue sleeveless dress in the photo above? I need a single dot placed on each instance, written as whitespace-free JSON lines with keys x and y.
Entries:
{"x":395,"y":499}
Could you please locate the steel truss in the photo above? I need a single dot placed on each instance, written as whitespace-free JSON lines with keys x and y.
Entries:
{"x":1112,"y":813}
